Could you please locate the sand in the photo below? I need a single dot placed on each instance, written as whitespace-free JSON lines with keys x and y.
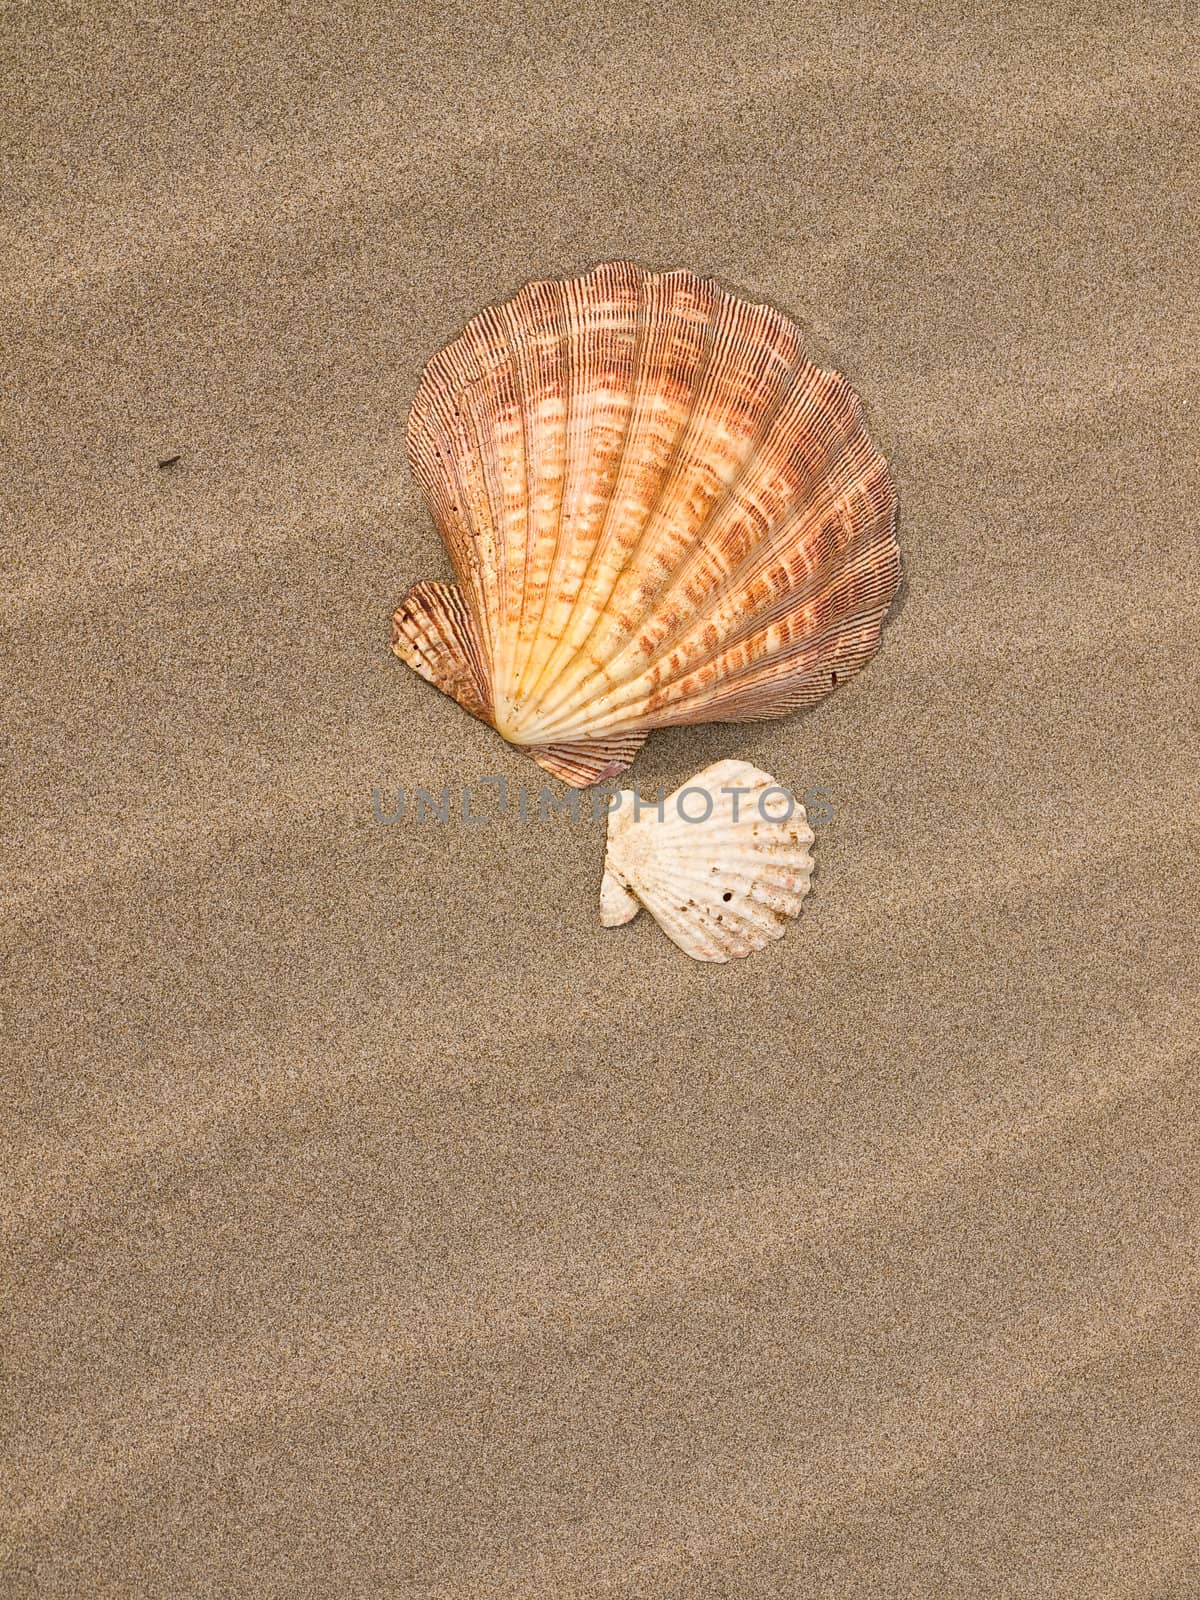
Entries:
{"x":375,"y":1223}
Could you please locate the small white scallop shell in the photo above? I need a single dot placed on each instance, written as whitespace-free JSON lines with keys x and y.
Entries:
{"x":721,"y":864}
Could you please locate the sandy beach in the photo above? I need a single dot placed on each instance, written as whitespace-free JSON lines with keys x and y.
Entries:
{"x":374,"y":1223}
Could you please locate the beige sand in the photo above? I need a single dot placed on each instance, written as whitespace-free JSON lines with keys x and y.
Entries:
{"x":376,"y":1224}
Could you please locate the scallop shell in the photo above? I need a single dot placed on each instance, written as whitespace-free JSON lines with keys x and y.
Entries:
{"x":658,"y":510}
{"x":720,"y":865}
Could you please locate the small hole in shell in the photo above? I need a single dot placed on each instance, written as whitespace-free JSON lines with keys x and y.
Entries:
{"x":833,"y":679}
{"x":728,"y":895}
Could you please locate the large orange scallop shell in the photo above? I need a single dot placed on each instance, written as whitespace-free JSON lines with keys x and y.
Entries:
{"x":659,"y":511}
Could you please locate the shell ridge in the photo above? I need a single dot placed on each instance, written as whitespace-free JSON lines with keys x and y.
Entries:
{"x":704,"y":373}
{"x":640,"y":323}
{"x":698,"y":928}
{"x":861,"y":557}
{"x":745,"y":847}
{"x":509,"y":631}
{"x":433,"y":632}
{"x":527,"y":301}
{"x":700,"y":547}
{"x":732,"y":923}
{"x":596,"y":332}
{"x":564,"y":328}
{"x":693,"y":941}
{"x":587,"y":761}
{"x":860,"y":467}
{"x":747,"y":857}
{"x":799,"y":675}
{"x":764,"y":689}
{"x":449,"y":377}
{"x":618,"y":904}
{"x":489,"y":408}
{"x":577,"y":396}
{"x":652,"y":333}
{"x":492,"y":538}
{"x":739,"y":315}
{"x":699,"y":884}
{"x":451,"y":511}
{"x":763,"y":551}
{"x":871,"y":550}
{"x":540,"y":308}
{"x":749,"y":889}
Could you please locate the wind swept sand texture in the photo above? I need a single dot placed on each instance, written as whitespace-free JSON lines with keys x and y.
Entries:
{"x":375,"y":1223}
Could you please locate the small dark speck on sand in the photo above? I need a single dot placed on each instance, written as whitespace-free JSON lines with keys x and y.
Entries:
{"x":169,"y":461}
